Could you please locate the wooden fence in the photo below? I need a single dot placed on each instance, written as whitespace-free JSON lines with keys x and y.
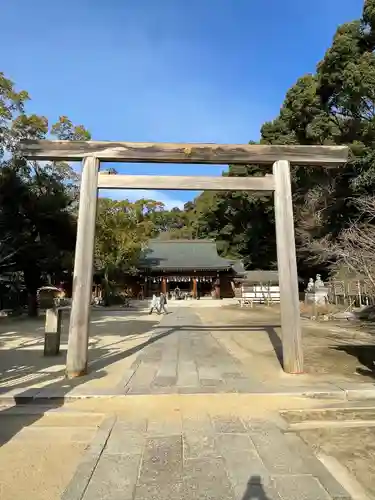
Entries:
{"x":352,"y":293}
{"x":262,"y":293}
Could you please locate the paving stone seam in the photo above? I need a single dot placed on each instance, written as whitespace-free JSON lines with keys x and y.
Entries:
{"x":233,"y":358}
{"x":124,"y":382}
{"x":178,"y":388}
{"x":258,"y":455}
{"x":140,"y":464}
{"x":273,"y":476}
{"x":331,"y":484}
{"x":341,"y":495}
{"x":334,"y":487}
{"x":327,"y":480}
{"x":347,"y":480}
{"x":254,"y":449}
{"x":267,"y":480}
{"x":78,"y":485}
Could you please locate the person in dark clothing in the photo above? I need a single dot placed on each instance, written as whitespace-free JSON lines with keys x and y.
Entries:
{"x":163,"y":303}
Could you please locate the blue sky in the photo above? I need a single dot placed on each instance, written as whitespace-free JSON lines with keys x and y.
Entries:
{"x":166,"y":70}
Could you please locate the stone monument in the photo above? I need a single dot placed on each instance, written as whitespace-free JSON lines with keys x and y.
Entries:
{"x":316,"y":292}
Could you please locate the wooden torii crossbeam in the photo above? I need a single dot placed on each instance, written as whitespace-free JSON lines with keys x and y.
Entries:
{"x":92,"y":153}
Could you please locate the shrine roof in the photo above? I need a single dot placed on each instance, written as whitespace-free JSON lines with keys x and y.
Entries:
{"x":261,"y":276}
{"x":183,"y":255}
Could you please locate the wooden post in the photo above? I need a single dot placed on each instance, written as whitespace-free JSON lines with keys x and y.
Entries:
{"x":287,"y":270}
{"x":76,"y":364}
{"x":359,"y":293}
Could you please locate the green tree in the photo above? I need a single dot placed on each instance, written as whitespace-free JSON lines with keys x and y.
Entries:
{"x":240,"y":222}
{"x":335,"y":105}
{"x":36,"y":199}
{"x":173,"y":224}
{"x":122,"y":230}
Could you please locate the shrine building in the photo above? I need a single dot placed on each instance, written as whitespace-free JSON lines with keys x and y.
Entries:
{"x":192,"y":266}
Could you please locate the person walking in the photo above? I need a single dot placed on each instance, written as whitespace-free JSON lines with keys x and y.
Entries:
{"x":155,"y":304}
{"x":163,"y":303}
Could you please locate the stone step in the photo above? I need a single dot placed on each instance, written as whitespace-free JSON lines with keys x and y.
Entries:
{"x":351,"y":414}
{"x":333,"y":424}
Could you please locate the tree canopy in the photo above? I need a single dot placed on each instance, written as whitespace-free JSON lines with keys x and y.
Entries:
{"x":335,"y":105}
{"x":39,"y":201}
{"x":37,"y":222}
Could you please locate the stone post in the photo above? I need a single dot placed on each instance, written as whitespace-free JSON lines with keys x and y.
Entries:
{"x":52,"y":331}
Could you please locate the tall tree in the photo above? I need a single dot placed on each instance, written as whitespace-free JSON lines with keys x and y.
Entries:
{"x":35,"y":198}
{"x":240,"y":222}
{"x":336,"y":105}
{"x":122,"y":230}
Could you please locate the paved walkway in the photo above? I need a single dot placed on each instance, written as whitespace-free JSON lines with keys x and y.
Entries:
{"x":205,"y":458}
{"x":183,"y":357}
{"x":196,"y":455}
{"x":183,"y":381}
{"x":200,"y":350}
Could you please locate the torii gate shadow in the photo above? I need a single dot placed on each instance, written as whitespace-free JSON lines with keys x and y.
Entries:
{"x":107,"y":358}
{"x":269,"y":329}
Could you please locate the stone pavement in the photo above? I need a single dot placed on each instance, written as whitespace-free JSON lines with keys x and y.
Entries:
{"x":208,"y":457}
{"x":184,"y":381}
{"x":183,"y":357}
{"x":40,"y":449}
{"x":186,"y":356}
{"x":193,"y":350}
{"x":116,"y":336}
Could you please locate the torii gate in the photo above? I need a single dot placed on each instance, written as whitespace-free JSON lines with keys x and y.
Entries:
{"x":92,"y":153}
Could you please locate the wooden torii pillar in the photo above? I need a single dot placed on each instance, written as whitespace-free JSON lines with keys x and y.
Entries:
{"x":94,"y":152}
{"x":76,"y":362}
{"x":287,"y":270}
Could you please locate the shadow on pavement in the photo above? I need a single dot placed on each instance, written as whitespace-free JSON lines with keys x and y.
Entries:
{"x":276,"y":343}
{"x":103,"y":361}
{"x":269,"y":329}
{"x":365,"y":355}
{"x":18,"y":373}
{"x":254,"y":490}
{"x":30,"y":413}
{"x":22,"y":364}
{"x":15,"y":418}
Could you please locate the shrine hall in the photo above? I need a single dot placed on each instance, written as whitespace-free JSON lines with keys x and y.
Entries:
{"x":193,"y":267}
